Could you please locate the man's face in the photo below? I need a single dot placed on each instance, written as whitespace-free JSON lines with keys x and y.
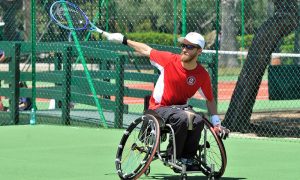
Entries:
{"x":189,"y":51}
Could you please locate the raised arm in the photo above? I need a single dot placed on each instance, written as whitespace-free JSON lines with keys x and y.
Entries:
{"x":141,"y":48}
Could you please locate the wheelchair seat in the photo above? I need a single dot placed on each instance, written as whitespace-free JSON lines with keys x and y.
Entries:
{"x":164,"y":130}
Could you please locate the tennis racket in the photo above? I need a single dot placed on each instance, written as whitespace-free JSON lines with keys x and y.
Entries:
{"x":62,"y":12}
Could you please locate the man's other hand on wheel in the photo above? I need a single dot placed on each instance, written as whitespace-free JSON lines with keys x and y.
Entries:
{"x":221,"y":131}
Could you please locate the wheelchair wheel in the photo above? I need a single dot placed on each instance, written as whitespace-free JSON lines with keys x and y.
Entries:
{"x":137,"y":147}
{"x":211,"y":154}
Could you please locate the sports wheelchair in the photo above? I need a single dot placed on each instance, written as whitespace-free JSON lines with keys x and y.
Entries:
{"x":145,"y":140}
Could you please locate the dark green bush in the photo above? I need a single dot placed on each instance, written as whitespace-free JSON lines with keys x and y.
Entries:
{"x":152,"y":38}
{"x":288,"y":44}
{"x":247,"y":41}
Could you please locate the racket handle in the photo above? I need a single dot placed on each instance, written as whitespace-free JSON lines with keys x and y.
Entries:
{"x":98,"y":30}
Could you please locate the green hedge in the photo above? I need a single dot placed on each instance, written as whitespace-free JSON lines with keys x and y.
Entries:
{"x":168,"y":39}
{"x":152,"y":38}
{"x":288,"y":43}
{"x":247,"y":41}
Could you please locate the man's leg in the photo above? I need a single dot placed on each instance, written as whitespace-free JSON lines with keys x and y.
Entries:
{"x":177,"y":118}
{"x":193,"y":137}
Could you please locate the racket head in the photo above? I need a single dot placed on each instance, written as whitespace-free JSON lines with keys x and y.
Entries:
{"x":64,"y":12}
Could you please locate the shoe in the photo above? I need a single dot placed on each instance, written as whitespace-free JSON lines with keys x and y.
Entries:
{"x":186,"y":161}
{"x":191,"y":164}
{"x":193,"y":167}
{"x":176,"y":170}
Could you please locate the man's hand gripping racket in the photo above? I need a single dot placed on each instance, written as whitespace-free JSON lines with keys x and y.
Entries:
{"x":114,"y":37}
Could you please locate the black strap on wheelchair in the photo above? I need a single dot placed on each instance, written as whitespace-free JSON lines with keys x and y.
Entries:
{"x":160,"y":120}
{"x":146,"y":102}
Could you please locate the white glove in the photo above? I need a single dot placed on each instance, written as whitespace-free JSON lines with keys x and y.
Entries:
{"x":115,"y":37}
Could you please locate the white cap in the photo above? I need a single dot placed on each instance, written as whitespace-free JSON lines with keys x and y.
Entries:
{"x":194,"y":38}
{"x":2,"y":23}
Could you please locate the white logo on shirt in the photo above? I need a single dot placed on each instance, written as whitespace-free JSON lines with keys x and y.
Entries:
{"x":191,"y":80}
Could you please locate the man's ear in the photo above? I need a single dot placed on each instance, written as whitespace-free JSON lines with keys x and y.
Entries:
{"x":199,"y":51}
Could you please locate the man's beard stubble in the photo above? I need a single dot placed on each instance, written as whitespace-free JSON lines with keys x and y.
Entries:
{"x":186,"y":58}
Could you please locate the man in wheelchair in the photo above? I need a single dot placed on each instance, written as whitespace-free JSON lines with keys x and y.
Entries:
{"x":181,"y":76}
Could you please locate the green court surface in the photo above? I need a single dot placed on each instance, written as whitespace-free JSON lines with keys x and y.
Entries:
{"x":47,"y":152}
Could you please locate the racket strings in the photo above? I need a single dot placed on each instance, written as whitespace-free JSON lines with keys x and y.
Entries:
{"x":64,"y":13}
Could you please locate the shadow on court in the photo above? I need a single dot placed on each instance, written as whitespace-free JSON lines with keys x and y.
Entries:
{"x":176,"y":177}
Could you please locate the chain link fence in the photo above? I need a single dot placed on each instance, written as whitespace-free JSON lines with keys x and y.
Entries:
{"x":252,"y":53}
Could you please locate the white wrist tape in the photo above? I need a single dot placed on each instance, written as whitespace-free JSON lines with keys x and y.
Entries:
{"x":215,"y":120}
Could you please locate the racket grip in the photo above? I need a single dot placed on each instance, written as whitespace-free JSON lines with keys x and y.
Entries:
{"x":105,"y":34}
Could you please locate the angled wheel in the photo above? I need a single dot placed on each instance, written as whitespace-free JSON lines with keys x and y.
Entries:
{"x":137,"y":147}
{"x":211,"y":154}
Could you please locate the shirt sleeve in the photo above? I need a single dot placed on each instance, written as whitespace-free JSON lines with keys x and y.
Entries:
{"x":162,"y":58}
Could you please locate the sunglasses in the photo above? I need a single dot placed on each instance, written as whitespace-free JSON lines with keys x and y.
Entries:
{"x":188,"y":46}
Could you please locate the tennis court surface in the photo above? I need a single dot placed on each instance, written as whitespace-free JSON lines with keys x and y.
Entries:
{"x":45,"y":152}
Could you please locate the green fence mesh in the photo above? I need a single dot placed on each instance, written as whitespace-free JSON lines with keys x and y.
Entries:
{"x":79,"y":78}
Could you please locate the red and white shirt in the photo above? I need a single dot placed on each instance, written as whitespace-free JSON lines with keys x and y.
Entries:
{"x":175,"y":84}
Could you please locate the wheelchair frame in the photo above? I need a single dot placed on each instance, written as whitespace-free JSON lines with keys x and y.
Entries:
{"x":141,"y":144}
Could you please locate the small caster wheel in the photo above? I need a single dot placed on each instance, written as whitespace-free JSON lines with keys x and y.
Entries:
{"x":184,"y":176}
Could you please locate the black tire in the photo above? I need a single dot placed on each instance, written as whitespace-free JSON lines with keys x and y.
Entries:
{"x":137,"y":147}
{"x":211,"y":151}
